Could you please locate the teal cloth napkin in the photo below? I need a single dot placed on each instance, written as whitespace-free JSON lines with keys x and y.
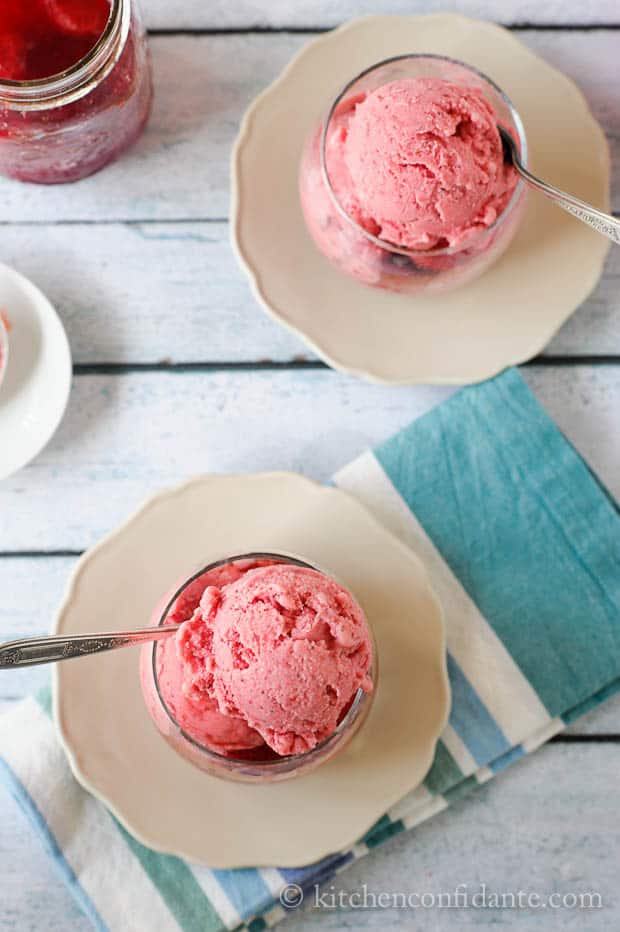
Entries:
{"x":522,"y":544}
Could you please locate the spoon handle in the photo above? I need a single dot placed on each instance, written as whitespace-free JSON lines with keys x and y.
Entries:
{"x":30,"y":652}
{"x":597,"y":219}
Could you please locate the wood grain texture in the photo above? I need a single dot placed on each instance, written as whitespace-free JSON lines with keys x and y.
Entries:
{"x":605,"y":720}
{"x":203,"y":84}
{"x":125,"y":437}
{"x":195,"y":304}
{"x":547,"y":824}
{"x":282,"y":14}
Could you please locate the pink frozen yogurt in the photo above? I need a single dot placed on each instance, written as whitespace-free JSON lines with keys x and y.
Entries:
{"x":419,"y":162}
{"x":266,"y":655}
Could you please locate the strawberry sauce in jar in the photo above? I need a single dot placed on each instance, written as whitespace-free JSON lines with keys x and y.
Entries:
{"x":75,"y":86}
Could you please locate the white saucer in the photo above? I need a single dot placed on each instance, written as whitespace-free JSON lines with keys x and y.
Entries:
{"x":500,"y":319}
{"x":168,"y":804}
{"x":35,"y":388}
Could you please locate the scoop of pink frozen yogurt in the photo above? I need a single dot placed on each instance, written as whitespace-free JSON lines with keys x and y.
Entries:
{"x":282,"y":651}
{"x":419,"y":162}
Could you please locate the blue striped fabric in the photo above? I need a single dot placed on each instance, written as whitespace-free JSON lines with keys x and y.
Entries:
{"x":246,"y":890}
{"x":472,"y":721}
{"x":40,"y":826}
{"x":522,"y":522}
{"x":530,"y":536}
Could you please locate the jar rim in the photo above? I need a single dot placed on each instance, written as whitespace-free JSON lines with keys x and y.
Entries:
{"x":286,"y":759}
{"x":394,"y":247}
{"x":81,"y":78}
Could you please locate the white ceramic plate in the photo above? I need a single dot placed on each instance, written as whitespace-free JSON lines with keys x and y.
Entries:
{"x":502,"y":318}
{"x":4,"y":344}
{"x":113,"y":747}
{"x":36,"y":384}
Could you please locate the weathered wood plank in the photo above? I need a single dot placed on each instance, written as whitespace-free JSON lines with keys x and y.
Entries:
{"x":126,"y":436}
{"x":548,"y":824}
{"x":280,"y":14}
{"x":194,"y":304}
{"x":180,"y":168}
{"x":602,"y":721}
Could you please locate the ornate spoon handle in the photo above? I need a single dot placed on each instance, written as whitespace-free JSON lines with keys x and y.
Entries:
{"x":32,"y":651}
{"x":603,"y":223}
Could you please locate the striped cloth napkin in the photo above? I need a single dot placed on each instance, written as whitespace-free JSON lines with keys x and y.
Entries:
{"x":523,"y":548}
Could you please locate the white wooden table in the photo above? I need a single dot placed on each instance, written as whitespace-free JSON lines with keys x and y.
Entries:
{"x":177,"y":371}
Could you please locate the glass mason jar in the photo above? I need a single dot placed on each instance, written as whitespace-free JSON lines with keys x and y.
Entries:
{"x":66,"y":126}
{"x":254,"y":765}
{"x":377,"y":262}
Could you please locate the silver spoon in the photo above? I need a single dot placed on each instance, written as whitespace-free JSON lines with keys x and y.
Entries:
{"x":30,"y":652}
{"x":603,"y":223}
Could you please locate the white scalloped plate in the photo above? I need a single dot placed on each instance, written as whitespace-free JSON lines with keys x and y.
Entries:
{"x":169,"y":805}
{"x":503,"y":318}
{"x":37,"y":381}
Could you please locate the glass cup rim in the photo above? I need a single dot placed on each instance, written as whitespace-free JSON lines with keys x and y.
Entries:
{"x":228,"y":760}
{"x":75,"y":82}
{"x":386,"y":244}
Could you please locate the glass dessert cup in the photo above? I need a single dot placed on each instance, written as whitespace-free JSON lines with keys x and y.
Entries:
{"x":259,"y":764}
{"x":71,"y":124}
{"x":365,"y":257}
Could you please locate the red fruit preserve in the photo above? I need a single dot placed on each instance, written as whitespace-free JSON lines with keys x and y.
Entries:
{"x":75,"y":86}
